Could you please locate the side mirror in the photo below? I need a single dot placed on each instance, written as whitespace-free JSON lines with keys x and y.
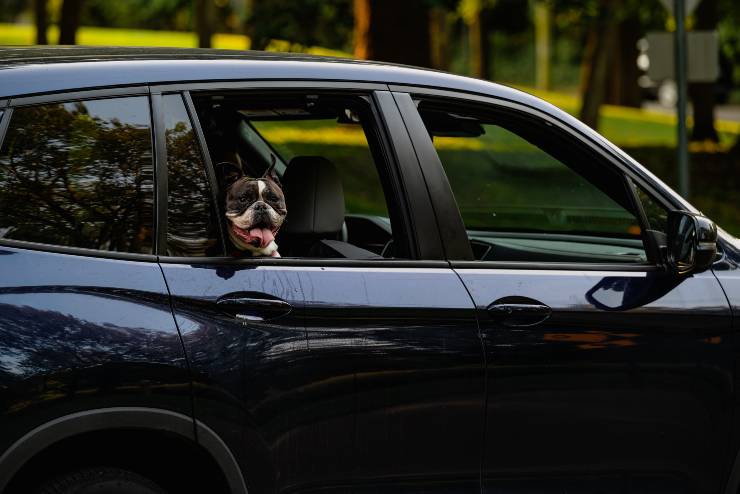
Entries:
{"x":692,"y":242}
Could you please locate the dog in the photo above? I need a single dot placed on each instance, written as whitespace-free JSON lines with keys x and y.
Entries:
{"x":255,"y":209}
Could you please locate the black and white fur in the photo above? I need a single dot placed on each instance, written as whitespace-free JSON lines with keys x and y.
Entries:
{"x":252,"y":203}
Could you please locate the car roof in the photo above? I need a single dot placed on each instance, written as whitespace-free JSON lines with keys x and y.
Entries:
{"x":48,"y":69}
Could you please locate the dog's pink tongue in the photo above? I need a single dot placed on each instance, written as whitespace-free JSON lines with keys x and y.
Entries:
{"x":263,"y":234}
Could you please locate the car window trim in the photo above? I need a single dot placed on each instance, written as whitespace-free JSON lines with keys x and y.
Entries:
{"x":160,"y":173}
{"x":447,"y":216}
{"x":395,"y":175}
{"x":412,"y":187}
{"x":651,"y":250}
{"x":555,"y":266}
{"x":77,"y":251}
{"x":5,"y":116}
{"x":271,"y":84}
{"x":207,"y":163}
{"x":305,"y":262}
{"x":87,"y":94}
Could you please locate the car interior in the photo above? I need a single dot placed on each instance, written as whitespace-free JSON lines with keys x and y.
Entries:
{"x":329,"y":211}
{"x":326,"y":153}
{"x":527,"y":193}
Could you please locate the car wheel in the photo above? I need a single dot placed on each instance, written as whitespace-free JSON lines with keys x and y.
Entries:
{"x":101,"y":480}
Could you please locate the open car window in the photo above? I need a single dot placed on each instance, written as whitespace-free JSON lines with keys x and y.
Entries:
{"x":324,"y":153}
{"x":526,"y":193}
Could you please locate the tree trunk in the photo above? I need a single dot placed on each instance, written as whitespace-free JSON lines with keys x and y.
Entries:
{"x":257,"y":39}
{"x":702,"y":93}
{"x":42,"y":21}
{"x":597,"y":65}
{"x":478,"y":41}
{"x":69,"y":22}
{"x":439,"y":38}
{"x":543,"y":44}
{"x":392,"y":31}
{"x":203,"y":23}
{"x":622,"y":88}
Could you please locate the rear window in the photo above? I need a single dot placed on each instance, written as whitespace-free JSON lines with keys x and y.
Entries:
{"x":79,"y":174}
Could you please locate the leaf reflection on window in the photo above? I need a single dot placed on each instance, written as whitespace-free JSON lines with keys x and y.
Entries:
{"x":79,"y":174}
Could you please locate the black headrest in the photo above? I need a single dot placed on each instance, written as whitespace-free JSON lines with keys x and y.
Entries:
{"x":314,"y":197}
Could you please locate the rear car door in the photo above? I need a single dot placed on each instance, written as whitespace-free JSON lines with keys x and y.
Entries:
{"x":604,"y":371}
{"x":85,"y":323}
{"x":352,"y":363}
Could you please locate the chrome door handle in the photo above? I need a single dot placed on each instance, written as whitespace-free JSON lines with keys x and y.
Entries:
{"x":518,"y":312}
{"x":253,"y":306}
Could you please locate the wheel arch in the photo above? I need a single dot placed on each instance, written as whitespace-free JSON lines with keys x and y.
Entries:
{"x":77,"y":424}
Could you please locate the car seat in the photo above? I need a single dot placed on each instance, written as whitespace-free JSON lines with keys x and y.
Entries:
{"x":315,"y":200}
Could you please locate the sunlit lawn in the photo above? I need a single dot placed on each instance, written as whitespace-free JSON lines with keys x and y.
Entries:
{"x":635,"y":127}
{"x":22,"y":34}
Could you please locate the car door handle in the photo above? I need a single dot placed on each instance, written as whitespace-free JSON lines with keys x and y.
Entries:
{"x":253,"y":306}
{"x":518,"y":312}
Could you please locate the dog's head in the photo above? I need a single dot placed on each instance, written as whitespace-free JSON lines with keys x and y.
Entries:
{"x":255,"y":207}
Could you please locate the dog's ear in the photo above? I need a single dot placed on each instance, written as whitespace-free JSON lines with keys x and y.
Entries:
{"x":227,"y":174}
{"x":271,"y":173}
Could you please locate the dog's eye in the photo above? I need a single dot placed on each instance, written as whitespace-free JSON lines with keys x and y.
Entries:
{"x":242,"y":199}
{"x":271,"y":197}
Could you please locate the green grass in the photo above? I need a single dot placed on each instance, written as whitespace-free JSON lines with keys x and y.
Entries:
{"x":23,"y":34}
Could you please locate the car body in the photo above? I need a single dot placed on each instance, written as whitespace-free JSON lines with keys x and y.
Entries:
{"x":439,"y":370}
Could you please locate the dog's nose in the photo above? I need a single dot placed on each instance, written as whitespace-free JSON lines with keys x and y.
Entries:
{"x":260,"y":206}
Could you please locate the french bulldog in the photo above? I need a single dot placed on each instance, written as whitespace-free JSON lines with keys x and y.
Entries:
{"x":255,"y":209}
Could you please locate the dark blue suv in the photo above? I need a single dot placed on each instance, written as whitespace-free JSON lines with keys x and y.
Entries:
{"x":476,"y":293}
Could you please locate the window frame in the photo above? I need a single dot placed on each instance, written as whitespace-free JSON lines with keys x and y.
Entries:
{"x":162,"y":166}
{"x":87,"y":95}
{"x":605,"y":158}
{"x":393,"y":142}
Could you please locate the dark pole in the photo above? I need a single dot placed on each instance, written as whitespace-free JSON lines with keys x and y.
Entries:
{"x":681,"y":70}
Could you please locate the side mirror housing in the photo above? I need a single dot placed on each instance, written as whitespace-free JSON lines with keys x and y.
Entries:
{"x":692,"y":242}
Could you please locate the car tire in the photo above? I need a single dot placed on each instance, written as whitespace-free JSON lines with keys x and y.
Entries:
{"x":100,"y":480}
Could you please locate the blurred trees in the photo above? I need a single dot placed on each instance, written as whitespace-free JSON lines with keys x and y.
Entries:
{"x":475,"y":14}
{"x":302,"y":23}
{"x":588,"y":44}
{"x":378,"y":24}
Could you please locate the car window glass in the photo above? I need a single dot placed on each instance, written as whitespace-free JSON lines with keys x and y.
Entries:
{"x":656,"y":214}
{"x":520,"y":201}
{"x":344,"y":144}
{"x":346,"y":200}
{"x":192,"y":227}
{"x":79,"y":174}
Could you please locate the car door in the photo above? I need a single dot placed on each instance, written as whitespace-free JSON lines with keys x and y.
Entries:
{"x":85,"y":323}
{"x":326,"y":374}
{"x":605,"y":372}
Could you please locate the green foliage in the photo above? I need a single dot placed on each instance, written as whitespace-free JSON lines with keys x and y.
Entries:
{"x":10,"y":10}
{"x":149,"y":14}
{"x":327,"y":23}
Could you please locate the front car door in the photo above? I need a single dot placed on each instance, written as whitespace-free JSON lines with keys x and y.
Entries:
{"x":373,"y":378}
{"x":604,"y":371}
